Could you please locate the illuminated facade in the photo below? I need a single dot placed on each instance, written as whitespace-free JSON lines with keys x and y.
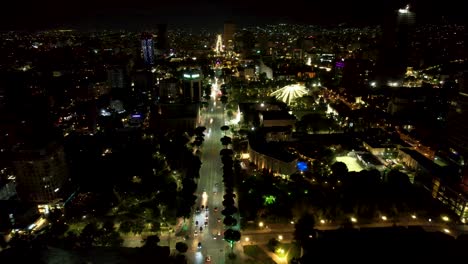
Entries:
{"x":219,"y":45}
{"x":147,"y":48}
{"x":192,"y":86}
{"x":277,"y":165}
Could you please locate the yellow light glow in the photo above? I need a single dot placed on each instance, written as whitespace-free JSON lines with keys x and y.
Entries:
{"x":260,"y":224}
{"x":353,"y":219}
{"x":445,"y":218}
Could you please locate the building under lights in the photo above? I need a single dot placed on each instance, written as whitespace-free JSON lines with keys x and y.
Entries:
{"x":41,"y":173}
{"x":147,"y":48}
{"x":395,"y":55}
{"x":272,"y":157}
{"x":192,"y":85}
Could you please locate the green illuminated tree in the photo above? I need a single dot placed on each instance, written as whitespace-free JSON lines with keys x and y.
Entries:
{"x":232,"y":236}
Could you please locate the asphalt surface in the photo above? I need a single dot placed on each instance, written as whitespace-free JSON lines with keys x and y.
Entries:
{"x":210,"y":192}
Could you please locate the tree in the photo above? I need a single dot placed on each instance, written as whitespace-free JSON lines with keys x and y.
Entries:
{"x":229,"y":201}
{"x":229,"y":210}
{"x":232,"y":236}
{"x":339,"y":170}
{"x":111,"y":239}
{"x":151,"y":241}
{"x":226,"y":141}
{"x":88,"y":235}
{"x":138,"y":226}
{"x":125,"y":227}
{"x":304,"y":229}
{"x":181,"y":247}
{"x":273,"y":244}
{"x":224,"y":129}
{"x":199,"y":130}
{"x":229,"y":221}
{"x":226,"y":152}
{"x":230,"y":114}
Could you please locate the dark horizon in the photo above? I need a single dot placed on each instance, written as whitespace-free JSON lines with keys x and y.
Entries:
{"x":211,"y":15}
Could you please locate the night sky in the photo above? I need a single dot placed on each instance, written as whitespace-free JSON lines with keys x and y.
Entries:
{"x":135,"y":14}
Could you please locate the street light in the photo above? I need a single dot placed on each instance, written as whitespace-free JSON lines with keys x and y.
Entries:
{"x":445,"y":218}
{"x":322,"y":221}
{"x":280,"y":237}
{"x":260,"y":224}
{"x":353,"y":219}
{"x":384,"y":218}
{"x":247,"y":239}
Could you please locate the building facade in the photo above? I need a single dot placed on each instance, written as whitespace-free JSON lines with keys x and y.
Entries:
{"x":41,"y":173}
{"x":147,"y":48}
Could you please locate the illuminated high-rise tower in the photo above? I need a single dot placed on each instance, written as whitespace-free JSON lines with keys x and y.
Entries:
{"x":396,"y":45}
{"x":219,"y":45}
{"x":147,"y":48}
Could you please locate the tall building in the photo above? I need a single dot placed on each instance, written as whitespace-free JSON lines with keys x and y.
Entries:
{"x":116,"y":78}
{"x":191,"y":85}
{"x":162,"y":43}
{"x":147,"y":48}
{"x":396,"y":45}
{"x":41,"y":173}
{"x":228,"y":36}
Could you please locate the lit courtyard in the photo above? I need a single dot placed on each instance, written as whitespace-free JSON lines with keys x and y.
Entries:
{"x":351,"y":163}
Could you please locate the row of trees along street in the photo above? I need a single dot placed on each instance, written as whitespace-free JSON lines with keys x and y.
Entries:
{"x":230,"y":235}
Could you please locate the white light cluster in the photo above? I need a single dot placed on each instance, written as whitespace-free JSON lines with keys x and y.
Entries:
{"x":289,"y":93}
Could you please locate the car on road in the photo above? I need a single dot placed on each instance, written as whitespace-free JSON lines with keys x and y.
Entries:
{"x":208,"y":259}
{"x":206,"y":208}
{"x":216,"y":209}
{"x":219,"y":220}
{"x":199,"y":245}
{"x":206,"y":223}
{"x":196,"y":223}
{"x":195,"y":233}
{"x":201,"y":228}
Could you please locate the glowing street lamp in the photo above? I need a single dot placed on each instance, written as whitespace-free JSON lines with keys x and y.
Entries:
{"x":260,"y":224}
{"x":353,"y":219}
{"x":384,"y":218}
{"x":280,"y":237}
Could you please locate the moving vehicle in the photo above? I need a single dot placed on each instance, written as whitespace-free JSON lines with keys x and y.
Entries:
{"x":199,"y":245}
